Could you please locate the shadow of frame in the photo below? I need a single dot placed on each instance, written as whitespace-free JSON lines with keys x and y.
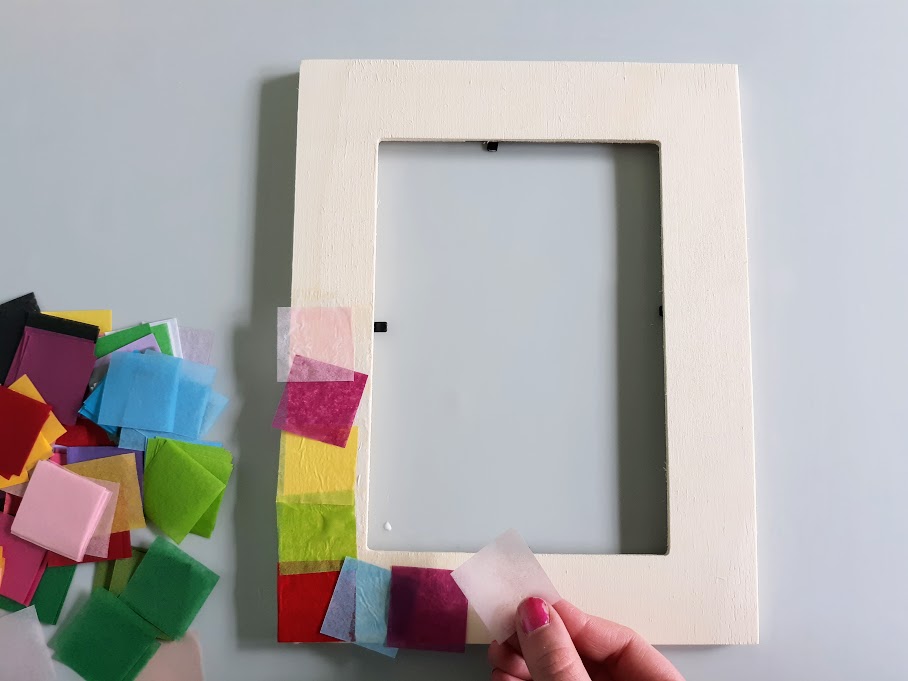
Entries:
{"x":255,"y":366}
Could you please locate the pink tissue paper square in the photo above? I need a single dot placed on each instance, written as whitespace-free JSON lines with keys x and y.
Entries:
{"x":323,"y":410}
{"x":320,"y":333}
{"x":60,"y":510}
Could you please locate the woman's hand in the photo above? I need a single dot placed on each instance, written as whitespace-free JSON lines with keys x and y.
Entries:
{"x":562,"y":643}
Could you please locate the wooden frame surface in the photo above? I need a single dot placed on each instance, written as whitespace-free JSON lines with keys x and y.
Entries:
{"x":704,"y":591}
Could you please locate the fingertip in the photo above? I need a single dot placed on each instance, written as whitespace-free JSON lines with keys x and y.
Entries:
{"x":532,"y":614}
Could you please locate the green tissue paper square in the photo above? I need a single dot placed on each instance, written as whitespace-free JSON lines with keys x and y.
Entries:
{"x":117,"y":339}
{"x":169,"y":588}
{"x":315,"y":532}
{"x":49,"y":596}
{"x":105,"y":640}
{"x":180,"y":490}
{"x":103,"y":572}
{"x":123,"y":570}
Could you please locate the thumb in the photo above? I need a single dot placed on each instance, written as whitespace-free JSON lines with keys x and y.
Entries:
{"x":546,"y":645}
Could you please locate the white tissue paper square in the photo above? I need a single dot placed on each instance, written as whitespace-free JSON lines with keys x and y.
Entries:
{"x":497,"y":578}
{"x":24,"y":655}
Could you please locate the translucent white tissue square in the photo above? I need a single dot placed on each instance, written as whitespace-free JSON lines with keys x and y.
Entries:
{"x":497,"y":578}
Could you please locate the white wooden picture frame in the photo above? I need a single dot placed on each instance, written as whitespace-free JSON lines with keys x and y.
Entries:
{"x":704,"y":591}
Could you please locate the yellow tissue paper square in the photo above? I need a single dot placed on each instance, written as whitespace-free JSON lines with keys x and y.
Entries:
{"x":312,"y":472}
{"x":103,"y":319}
{"x":42,"y":448}
{"x":122,"y":470}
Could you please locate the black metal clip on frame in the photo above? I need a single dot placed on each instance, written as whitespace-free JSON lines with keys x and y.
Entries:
{"x":380,"y":327}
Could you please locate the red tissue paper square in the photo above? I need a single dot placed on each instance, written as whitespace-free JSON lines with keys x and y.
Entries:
{"x":302,"y":601}
{"x":427,"y":610}
{"x":21,"y":421}
{"x":319,"y":410}
{"x":84,"y":433}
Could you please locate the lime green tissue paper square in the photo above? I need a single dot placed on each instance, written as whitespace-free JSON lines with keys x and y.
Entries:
{"x":169,"y":588}
{"x":178,"y":490}
{"x":193,"y":459}
{"x":315,"y":532}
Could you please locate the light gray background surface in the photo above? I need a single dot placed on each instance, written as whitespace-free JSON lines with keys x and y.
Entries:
{"x":146,"y":164}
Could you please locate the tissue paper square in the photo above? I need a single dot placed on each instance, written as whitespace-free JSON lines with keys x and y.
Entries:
{"x":24,"y":656}
{"x":176,"y":661}
{"x":58,"y":365}
{"x":13,"y":314}
{"x":339,"y":620}
{"x":169,"y":588}
{"x":354,"y":596}
{"x":197,"y":344}
{"x":315,"y":532}
{"x":80,"y":454}
{"x":322,"y":411}
{"x":105,"y":640}
{"x":193,"y":398}
{"x":321,"y":333}
{"x":42,"y":449}
{"x":25,"y":564}
{"x":140,"y":391}
{"x":428,"y":611}
{"x":498,"y":577}
{"x":60,"y":510}
{"x":21,"y":422}
{"x":316,"y":473}
{"x":184,"y":485}
{"x":122,"y":470}
{"x":302,"y":601}
{"x":119,"y":339}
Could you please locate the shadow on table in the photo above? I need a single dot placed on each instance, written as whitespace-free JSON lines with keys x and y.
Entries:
{"x":255,"y":367}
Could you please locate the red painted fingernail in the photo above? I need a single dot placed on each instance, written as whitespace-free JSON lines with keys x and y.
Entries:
{"x":534,"y":613}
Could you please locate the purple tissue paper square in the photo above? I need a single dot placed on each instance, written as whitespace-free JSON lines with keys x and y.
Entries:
{"x":428,"y":611}
{"x":58,"y":365}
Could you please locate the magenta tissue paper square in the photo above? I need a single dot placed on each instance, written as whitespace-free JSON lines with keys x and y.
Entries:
{"x":59,"y":366}
{"x":25,"y":564}
{"x":428,"y":611}
{"x":319,"y":410}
